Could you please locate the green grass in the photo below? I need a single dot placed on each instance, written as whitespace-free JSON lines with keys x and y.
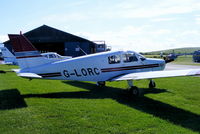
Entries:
{"x":186,"y":60}
{"x":152,"y":56}
{"x":7,"y":67}
{"x":48,"y":106}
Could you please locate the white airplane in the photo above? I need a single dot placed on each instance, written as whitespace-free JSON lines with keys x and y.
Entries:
{"x":52,"y":56}
{"x":8,"y":57}
{"x":100,"y":67}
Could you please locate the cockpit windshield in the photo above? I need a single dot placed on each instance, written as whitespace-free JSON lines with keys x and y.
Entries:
{"x":141,"y":57}
{"x":59,"y":56}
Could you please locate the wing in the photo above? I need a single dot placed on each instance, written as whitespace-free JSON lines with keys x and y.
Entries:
{"x":29,"y":75}
{"x":157,"y":74}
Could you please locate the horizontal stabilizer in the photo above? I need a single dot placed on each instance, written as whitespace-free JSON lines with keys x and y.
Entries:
{"x":29,"y":75}
{"x":157,"y":74}
{"x":16,"y":70}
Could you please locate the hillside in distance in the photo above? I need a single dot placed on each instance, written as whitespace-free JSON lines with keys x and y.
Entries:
{"x":187,"y":50}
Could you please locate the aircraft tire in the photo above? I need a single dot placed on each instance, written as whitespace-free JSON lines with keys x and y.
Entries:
{"x":134,"y":91}
{"x":152,"y":84}
{"x":101,"y":83}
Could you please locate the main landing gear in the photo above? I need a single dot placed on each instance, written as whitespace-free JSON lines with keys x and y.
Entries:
{"x":135,"y":91}
{"x":101,"y":83}
{"x":152,"y":84}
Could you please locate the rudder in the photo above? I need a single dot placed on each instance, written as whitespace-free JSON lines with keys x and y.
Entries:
{"x":26,"y":54}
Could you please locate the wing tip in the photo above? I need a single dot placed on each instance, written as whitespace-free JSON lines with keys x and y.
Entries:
{"x":30,"y":75}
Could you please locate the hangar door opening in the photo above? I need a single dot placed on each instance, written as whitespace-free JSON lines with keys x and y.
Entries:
{"x":57,"y":47}
{"x":76,"y":49}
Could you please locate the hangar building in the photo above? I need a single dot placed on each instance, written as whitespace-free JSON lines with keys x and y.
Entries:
{"x":48,"y":39}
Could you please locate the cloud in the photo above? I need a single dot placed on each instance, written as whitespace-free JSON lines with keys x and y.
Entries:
{"x":3,"y":38}
{"x":131,"y":38}
{"x":191,"y":33}
{"x":197,"y":20}
{"x":139,"y":9}
{"x":160,"y":32}
{"x":163,"y":19}
{"x":146,"y":38}
{"x":128,"y":9}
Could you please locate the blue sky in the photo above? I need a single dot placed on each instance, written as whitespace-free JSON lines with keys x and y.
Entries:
{"x":140,"y":25}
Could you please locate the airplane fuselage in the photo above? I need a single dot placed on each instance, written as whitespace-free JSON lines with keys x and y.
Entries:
{"x":97,"y":67}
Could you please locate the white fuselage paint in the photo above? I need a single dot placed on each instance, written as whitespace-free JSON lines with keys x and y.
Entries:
{"x":95,"y":67}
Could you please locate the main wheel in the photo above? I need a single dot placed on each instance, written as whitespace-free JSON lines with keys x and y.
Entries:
{"x":152,"y":84}
{"x":134,"y":91}
{"x":101,"y":83}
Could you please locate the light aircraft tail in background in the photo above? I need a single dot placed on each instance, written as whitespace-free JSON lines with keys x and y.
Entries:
{"x":100,"y":67}
{"x":8,"y":57}
{"x":28,"y":56}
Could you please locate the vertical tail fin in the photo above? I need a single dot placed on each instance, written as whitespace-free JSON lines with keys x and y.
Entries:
{"x":26,"y":54}
{"x":6,"y":52}
{"x":8,"y":57}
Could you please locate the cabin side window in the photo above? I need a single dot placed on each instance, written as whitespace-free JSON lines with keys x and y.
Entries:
{"x":52,"y":56}
{"x":45,"y":56}
{"x":129,"y":57}
{"x":114,"y":59}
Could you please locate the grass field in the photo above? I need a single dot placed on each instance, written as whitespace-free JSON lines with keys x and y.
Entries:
{"x":47,"y":106}
{"x":186,"y":60}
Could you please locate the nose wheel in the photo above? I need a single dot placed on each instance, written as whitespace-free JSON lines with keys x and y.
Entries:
{"x":152,"y":84}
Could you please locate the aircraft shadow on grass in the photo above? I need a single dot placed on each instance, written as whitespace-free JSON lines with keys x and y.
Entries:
{"x":156,"y":108}
{"x":3,"y":72}
{"x":11,"y":99}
